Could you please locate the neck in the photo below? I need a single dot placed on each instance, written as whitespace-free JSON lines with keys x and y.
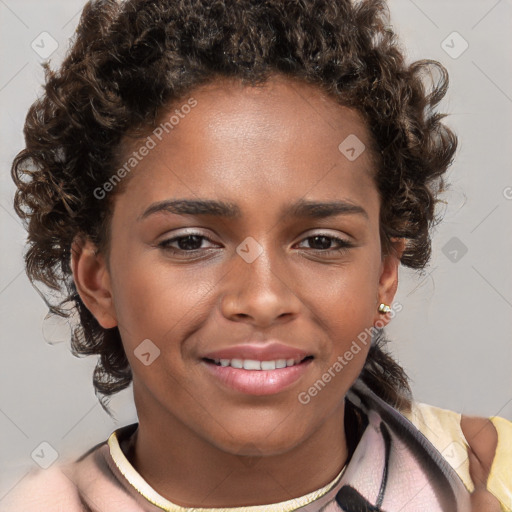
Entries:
{"x":189,"y":471}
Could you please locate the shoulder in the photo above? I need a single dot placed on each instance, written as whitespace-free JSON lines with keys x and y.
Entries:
{"x":92,"y":482}
{"x":478,"y":448}
{"x":490,"y":454}
{"x":44,"y":490}
{"x":57,"y":488}
{"x":482,"y":438}
{"x":442,"y":427}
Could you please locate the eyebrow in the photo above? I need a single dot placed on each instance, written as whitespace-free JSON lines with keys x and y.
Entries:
{"x":300,"y":209}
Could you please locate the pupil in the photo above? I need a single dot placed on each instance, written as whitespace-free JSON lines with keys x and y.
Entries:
{"x":319,"y":237}
{"x":186,"y":243}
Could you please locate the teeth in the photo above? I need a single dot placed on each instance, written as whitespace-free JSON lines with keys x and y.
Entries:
{"x":253,"y":364}
{"x":268,"y":365}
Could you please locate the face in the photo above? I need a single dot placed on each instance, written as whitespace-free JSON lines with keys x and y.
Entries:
{"x":187,"y":281}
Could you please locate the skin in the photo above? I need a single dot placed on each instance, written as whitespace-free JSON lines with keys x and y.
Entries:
{"x":199,"y":444}
{"x":482,"y":438}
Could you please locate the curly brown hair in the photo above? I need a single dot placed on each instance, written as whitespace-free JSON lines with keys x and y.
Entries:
{"x":130,"y":59}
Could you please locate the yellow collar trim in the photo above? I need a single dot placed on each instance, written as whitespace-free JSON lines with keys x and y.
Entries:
{"x":136,"y":481}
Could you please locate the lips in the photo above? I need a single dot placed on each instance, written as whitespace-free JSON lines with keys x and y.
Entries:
{"x":256,"y":351}
{"x":236,"y":368}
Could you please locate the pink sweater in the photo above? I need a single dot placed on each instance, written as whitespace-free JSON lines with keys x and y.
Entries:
{"x":95,"y":483}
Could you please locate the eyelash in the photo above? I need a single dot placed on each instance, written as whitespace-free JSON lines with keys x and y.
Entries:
{"x":344,"y":244}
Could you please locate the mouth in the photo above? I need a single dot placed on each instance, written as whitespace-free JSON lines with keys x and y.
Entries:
{"x":257,"y":377}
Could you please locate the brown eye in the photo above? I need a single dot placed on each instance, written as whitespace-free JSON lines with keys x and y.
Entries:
{"x":185,"y":243}
{"x":322,"y":243}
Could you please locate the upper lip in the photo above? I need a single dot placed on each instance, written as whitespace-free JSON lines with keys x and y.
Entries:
{"x":268,"y":352}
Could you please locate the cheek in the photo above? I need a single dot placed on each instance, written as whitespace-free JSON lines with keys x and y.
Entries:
{"x":347,"y":306}
{"x":154,"y":300}
{"x":348,"y":294}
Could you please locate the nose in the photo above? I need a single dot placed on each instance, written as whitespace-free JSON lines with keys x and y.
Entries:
{"x":260,"y":293}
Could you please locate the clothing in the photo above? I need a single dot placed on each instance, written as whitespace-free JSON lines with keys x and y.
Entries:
{"x":396,"y":464}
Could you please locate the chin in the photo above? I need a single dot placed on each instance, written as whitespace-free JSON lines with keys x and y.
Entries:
{"x":260,"y":442}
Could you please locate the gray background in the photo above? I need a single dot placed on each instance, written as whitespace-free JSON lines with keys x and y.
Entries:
{"x":453,"y":334}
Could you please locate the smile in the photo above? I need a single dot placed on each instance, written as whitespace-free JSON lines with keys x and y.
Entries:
{"x":254,"y":364}
{"x":255,"y":377}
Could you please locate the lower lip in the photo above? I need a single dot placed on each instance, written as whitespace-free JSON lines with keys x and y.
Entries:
{"x":258,"y":382}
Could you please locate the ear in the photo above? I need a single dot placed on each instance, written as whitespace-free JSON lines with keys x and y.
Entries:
{"x":92,"y":280}
{"x":388,"y":281}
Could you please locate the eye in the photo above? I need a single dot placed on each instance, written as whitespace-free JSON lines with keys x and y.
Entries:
{"x":323,"y":241}
{"x":190,"y":242}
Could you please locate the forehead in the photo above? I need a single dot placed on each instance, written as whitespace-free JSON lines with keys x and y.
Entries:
{"x":276,"y":110}
{"x":283,"y":139}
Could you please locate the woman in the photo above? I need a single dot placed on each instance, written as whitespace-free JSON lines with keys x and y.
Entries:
{"x":225,"y":191}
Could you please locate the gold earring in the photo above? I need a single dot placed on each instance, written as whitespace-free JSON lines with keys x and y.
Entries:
{"x":384,"y":308}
